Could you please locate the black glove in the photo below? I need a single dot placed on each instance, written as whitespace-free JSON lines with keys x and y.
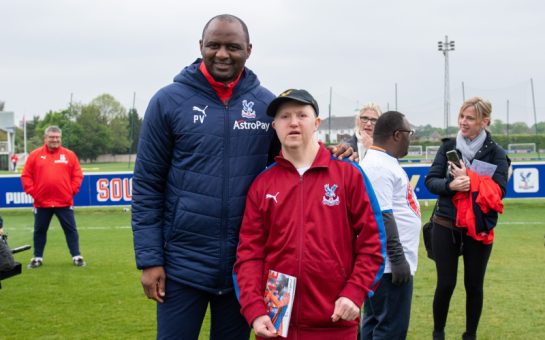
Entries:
{"x":401,"y":272}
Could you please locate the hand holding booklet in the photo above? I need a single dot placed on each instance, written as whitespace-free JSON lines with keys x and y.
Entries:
{"x":482,"y":168}
{"x":279,"y":294}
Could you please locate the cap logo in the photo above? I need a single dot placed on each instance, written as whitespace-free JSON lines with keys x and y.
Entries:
{"x":285,"y":93}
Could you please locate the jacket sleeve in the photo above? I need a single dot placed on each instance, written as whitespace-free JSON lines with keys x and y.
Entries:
{"x":249,"y":266}
{"x":155,"y":147}
{"x":436,"y":180}
{"x":370,"y":244}
{"x":27,"y":179}
{"x":77,"y":175}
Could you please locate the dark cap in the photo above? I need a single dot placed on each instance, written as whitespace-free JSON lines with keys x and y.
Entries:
{"x":300,"y":96}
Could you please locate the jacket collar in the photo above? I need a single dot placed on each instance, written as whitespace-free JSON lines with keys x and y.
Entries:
{"x":323,"y":157}
{"x":191,"y":76}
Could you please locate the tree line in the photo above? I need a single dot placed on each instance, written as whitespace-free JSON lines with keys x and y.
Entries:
{"x":103,"y":126}
{"x":498,"y":127}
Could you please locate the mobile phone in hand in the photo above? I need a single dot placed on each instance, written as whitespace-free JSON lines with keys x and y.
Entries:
{"x":452,"y":156}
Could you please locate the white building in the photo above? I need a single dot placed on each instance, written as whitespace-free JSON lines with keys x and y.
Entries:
{"x":342,"y":128}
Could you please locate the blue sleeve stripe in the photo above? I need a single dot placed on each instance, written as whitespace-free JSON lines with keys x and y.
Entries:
{"x":388,"y":211}
{"x":380,"y":222}
{"x":268,"y":168}
{"x":235,"y":285}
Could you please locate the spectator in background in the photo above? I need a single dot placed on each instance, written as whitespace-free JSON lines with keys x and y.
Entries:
{"x":387,"y":312}
{"x":14,"y":159}
{"x":457,"y":187}
{"x":364,"y":127}
{"x":313,"y":217}
{"x":52,"y":176}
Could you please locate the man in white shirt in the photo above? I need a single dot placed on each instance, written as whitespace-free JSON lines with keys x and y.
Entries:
{"x":387,"y":312}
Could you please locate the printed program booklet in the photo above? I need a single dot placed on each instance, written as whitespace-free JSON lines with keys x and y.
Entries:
{"x":279,"y":294}
{"x":483,"y":168}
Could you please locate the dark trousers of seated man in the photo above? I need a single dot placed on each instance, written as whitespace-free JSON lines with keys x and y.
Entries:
{"x":42,"y":219}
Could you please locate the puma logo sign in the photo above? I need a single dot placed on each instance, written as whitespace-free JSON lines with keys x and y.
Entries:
{"x":272,"y":196}
{"x":199,"y":118}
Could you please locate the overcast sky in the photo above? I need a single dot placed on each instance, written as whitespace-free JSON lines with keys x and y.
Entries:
{"x":51,"y":49}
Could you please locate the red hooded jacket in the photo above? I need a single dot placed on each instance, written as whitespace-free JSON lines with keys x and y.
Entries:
{"x":52,"y":178}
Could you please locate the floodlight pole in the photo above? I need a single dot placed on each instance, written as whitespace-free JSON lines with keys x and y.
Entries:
{"x":329,"y":118}
{"x":445,"y":47}
{"x":507,"y":121}
{"x":535,"y":115}
{"x":131,"y":128}
{"x":396,"y":95}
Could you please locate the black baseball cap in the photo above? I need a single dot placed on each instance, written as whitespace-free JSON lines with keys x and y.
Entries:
{"x":301,"y":96}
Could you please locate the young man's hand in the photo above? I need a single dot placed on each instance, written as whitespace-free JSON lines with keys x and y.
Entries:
{"x":345,"y":309}
{"x":344,"y":150}
{"x":264,"y":327}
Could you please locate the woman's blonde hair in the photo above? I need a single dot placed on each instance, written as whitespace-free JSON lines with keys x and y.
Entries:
{"x":369,"y":106}
{"x":481,"y":105}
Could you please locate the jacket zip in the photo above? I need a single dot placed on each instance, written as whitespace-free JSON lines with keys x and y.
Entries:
{"x":224,"y":199}
{"x":300,"y":246}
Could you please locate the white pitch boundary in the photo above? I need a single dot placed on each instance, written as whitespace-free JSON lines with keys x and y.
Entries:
{"x":129,"y":227}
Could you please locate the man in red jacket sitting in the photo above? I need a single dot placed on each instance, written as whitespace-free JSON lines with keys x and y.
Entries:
{"x":52,"y":176}
{"x":314,"y":217}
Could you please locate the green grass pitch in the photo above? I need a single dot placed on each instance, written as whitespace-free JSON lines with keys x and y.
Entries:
{"x":104,"y":300}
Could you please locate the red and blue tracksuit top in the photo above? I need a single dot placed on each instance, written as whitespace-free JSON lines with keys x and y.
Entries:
{"x":324,"y":227}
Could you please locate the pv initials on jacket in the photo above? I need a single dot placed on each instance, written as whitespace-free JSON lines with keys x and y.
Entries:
{"x":199,"y":117}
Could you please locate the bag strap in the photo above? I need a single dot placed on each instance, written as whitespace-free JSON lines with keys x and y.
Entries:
{"x":434,"y":209}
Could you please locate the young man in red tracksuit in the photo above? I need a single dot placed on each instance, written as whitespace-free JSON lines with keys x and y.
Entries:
{"x":314,"y":217}
{"x":52,"y":176}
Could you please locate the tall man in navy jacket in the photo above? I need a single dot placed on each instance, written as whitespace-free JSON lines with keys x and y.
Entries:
{"x":205,"y":137}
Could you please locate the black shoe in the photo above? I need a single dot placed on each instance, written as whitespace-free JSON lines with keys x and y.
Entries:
{"x":469,"y":336}
{"x":438,"y":335}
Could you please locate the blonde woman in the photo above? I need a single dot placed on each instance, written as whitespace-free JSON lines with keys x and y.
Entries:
{"x":458,"y":231}
{"x":364,"y":126}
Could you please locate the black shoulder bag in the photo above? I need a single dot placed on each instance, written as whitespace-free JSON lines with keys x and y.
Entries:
{"x":426,"y":231}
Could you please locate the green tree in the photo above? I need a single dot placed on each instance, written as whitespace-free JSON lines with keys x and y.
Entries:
{"x":498,"y":127}
{"x":519,"y":128}
{"x":119,"y":129}
{"x":135,"y":124}
{"x":540,"y":128}
{"x":93,"y":133}
{"x":109,"y":107}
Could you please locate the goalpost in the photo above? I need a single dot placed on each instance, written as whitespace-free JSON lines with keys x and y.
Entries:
{"x":431,"y":151}
{"x":521,"y":148}
{"x":415,"y":150}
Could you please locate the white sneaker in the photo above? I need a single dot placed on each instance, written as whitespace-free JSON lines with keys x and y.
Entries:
{"x":35,"y":262}
{"x":78,"y":261}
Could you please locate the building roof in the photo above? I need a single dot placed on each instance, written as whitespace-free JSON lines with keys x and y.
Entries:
{"x":337,"y":123}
